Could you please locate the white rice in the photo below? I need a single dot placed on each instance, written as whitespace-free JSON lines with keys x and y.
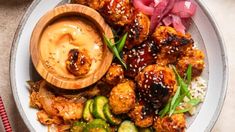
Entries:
{"x":198,"y":88}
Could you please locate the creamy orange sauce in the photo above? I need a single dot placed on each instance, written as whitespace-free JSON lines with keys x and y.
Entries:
{"x":66,"y":34}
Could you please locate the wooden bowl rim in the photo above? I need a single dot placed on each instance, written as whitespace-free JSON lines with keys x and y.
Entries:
{"x":48,"y":18}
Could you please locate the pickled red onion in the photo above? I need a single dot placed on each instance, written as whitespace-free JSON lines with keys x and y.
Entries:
{"x":143,"y":6}
{"x":184,"y":9}
{"x":177,"y":24}
{"x":167,"y":12}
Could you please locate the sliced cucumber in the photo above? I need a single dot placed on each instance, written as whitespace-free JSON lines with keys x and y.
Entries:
{"x":78,"y":126}
{"x":87,"y":115}
{"x":98,"y":106}
{"x":97,"y":124}
{"x":95,"y":128}
{"x":91,"y":106}
{"x":108,"y":115}
{"x":127,"y":126}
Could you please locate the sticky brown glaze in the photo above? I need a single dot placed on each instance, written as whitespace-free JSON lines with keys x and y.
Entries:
{"x":156,"y":84}
{"x":78,"y":62}
{"x":171,"y":44}
{"x":138,"y":30}
{"x":139,"y":57}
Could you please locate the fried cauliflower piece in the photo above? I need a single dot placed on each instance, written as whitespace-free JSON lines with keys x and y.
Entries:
{"x":175,"y":123}
{"x":139,"y":57}
{"x":95,"y":4}
{"x":156,"y":84}
{"x":114,"y":75}
{"x":122,"y":97}
{"x":138,"y":30}
{"x":139,"y":116}
{"x":171,"y":44}
{"x":118,"y":12}
{"x":78,"y":62}
{"x":47,"y":119}
{"x":194,"y":57}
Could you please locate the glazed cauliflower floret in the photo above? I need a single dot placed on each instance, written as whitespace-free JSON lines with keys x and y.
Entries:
{"x":78,"y":62}
{"x":175,"y":123}
{"x":156,"y":84}
{"x":171,"y":44}
{"x":122,"y":97}
{"x":138,"y":30}
{"x":139,"y":116}
{"x":95,"y":4}
{"x":194,"y":57}
{"x":117,"y":12}
{"x":139,"y":57}
{"x":114,"y":75}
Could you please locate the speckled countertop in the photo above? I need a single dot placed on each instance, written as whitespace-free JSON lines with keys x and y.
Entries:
{"x":11,"y":12}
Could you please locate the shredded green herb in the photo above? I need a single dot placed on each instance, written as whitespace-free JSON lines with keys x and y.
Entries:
{"x":121,"y":43}
{"x":192,"y":103}
{"x":180,"y":94}
{"x":117,"y":47}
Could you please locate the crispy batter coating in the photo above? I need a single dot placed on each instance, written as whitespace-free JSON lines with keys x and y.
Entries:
{"x":194,"y":57}
{"x":138,"y":30}
{"x":122,"y":97}
{"x":139,"y":117}
{"x":78,"y":62}
{"x":175,"y":123}
{"x":47,"y":119}
{"x":114,"y":75}
{"x":95,"y":4}
{"x":156,"y":84}
{"x":118,"y":12}
{"x":171,"y":44}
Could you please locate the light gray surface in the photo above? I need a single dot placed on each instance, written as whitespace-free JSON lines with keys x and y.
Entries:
{"x":11,"y":12}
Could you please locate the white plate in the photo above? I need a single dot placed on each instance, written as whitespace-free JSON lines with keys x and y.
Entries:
{"x":204,"y":32}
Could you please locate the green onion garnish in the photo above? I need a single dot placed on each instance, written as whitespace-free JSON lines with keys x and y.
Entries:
{"x":181,"y":93}
{"x":117,"y":47}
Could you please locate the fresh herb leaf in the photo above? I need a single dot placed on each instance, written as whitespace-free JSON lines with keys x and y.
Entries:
{"x":181,"y":83}
{"x":175,"y":97}
{"x":180,"y":94}
{"x":192,"y":103}
{"x":121,"y":43}
{"x":114,"y":49}
{"x":182,"y":110}
{"x":165,"y":110}
{"x":189,"y":74}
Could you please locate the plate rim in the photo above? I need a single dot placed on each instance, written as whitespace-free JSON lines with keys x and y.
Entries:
{"x":202,"y":6}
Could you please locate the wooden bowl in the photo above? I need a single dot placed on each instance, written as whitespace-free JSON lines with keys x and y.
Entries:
{"x":48,"y":72}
